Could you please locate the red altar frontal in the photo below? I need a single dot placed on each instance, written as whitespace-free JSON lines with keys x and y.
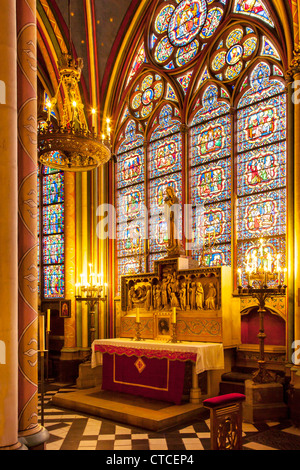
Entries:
{"x":153,"y":369}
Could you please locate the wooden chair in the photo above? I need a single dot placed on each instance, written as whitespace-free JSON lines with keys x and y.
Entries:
{"x":226,"y":417}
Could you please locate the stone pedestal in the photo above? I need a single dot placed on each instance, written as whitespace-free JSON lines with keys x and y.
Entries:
{"x":89,"y":377}
{"x":264,"y":402}
{"x":294,"y":395}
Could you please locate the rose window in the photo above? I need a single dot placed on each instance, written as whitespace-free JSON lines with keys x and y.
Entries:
{"x":234,"y":51}
{"x":146,"y":95}
{"x":182,"y":28}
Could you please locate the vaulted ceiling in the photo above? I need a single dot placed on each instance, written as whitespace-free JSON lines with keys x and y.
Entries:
{"x":96,"y":28}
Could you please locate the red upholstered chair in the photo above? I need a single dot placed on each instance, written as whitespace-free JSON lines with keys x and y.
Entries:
{"x":226,"y":417}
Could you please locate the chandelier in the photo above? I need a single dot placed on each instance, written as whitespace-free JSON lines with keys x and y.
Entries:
{"x":69,"y":144}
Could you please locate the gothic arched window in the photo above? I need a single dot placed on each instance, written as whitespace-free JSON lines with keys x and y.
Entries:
{"x":51,"y":254}
{"x":204,"y":112}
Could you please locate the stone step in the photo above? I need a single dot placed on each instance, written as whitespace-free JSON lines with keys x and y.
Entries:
{"x":128,"y":409}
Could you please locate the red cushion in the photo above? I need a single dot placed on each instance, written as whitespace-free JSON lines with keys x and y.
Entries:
{"x":222,"y":400}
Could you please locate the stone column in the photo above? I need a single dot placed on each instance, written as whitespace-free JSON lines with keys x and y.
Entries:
{"x":69,"y":353}
{"x":30,"y":432}
{"x":84,"y":255}
{"x":293,"y":77}
{"x":8,"y":230}
{"x":70,"y":258}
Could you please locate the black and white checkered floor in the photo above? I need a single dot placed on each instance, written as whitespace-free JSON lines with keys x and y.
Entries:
{"x":76,"y":431}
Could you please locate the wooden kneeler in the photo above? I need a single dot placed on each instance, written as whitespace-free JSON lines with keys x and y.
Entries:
{"x":226,"y":417}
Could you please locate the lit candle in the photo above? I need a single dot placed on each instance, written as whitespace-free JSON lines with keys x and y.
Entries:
{"x":261,"y":247}
{"x":239,"y":277}
{"x":266,"y":277}
{"x":77,"y":289}
{"x":108,"y":128}
{"x":279,"y":276}
{"x":248,"y":263}
{"x":74,"y":104}
{"x":48,"y":319}
{"x":254,"y":262}
{"x":278,"y":263}
{"x":174,"y":315}
{"x":49,"y":106}
{"x":248,"y":275}
{"x":137,"y":315}
{"x":88,"y":290}
{"x":42,"y":332}
{"x":93,"y":117}
{"x":269,"y":262}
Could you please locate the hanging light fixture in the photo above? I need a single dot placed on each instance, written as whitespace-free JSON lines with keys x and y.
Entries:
{"x":69,"y":144}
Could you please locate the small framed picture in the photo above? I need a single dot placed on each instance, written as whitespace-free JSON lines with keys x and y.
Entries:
{"x":65,"y":309}
{"x":163,"y":327}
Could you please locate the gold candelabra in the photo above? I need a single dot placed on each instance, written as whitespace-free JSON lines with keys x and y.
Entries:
{"x":261,"y":268}
{"x":69,"y":144}
{"x":91,"y":290}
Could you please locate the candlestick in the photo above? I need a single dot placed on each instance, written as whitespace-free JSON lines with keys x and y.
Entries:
{"x":42,"y":332}
{"x":48,"y":319}
{"x":174,"y":315}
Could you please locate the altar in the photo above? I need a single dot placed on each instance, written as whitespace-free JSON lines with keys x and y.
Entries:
{"x":154,"y":369}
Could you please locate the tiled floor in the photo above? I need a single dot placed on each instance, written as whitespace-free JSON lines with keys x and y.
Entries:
{"x":75,"y":431}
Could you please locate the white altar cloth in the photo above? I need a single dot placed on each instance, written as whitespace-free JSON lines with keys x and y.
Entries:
{"x":206,"y":356}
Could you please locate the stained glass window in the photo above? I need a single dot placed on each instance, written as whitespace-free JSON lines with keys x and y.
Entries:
{"x":210,"y":162}
{"x":130,"y":177}
{"x":181,"y":30}
{"x":261,"y":164}
{"x":51,"y":233}
{"x":255,"y":8}
{"x":206,"y":116}
{"x":165,"y":167}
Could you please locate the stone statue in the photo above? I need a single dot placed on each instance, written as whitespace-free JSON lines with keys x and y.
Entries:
{"x":182,"y":296}
{"x":192,"y":292}
{"x":164,"y":293}
{"x":148,"y":298}
{"x":210,"y":301}
{"x":158,"y":298}
{"x":199,"y":296}
{"x":131,"y":295}
{"x":171,"y":208}
{"x":174,"y":300}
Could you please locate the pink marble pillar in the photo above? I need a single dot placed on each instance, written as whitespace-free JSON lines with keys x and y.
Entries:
{"x":8,"y":230}
{"x":30,"y":432}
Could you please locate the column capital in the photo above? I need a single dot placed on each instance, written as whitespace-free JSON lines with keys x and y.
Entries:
{"x":294,"y":68}
{"x":184,"y":128}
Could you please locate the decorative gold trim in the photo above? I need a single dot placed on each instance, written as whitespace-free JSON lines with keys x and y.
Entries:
{"x":165,"y":389}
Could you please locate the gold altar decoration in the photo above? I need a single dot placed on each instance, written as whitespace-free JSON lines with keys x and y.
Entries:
{"x":262,"y":268}
{"x":69,"y":145}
